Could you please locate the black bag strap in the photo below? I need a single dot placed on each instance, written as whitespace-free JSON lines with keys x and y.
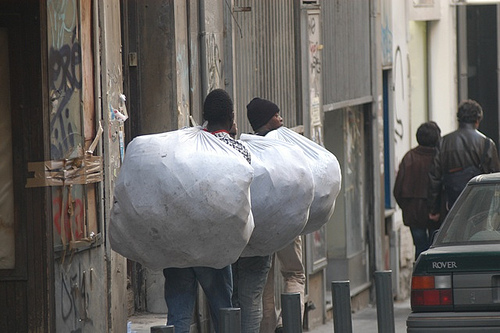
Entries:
{"x":485,"y":152}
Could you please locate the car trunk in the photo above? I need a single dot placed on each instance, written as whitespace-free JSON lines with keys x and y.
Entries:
{"x":474,"y":270}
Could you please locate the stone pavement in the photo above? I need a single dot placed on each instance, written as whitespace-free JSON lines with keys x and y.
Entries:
{"x":363,"y":321}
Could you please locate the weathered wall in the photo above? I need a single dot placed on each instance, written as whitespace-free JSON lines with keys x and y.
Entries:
{"x":111,"y":87}
{"x":212,"y":45}
{"x":80,"y":272}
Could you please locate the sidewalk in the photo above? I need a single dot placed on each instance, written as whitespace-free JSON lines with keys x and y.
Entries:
{"x":363,"y":321}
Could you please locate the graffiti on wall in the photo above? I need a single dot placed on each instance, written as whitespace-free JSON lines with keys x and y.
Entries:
{"x":315,"y":77}
{"x":214,"y":62}
{"x":64,"y":66}
{"x":386,"y":23}
{"x":66,"y":128}
{"x":74,"y":299}
{"x":64,"y":78}
{"x":68,"y":216}
{"x":314,"y":51}
{"x":386,"y":43}
{"x":399,"y":95}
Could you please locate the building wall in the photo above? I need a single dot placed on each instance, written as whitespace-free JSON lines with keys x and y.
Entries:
{"x":443,"y":78}
{"x":111,"y":86}
{"x":406,"y":108}
{"x":347,"y":86}
{"x":85,"y":70}
{"x":417,"y":49}
{"x":264,"y":58}
{"x":424,"y":75}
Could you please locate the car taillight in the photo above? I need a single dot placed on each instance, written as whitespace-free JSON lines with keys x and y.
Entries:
{"x":432,"y":291}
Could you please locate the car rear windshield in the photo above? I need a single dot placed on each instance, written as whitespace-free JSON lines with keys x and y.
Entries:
{"x":475,"y":217}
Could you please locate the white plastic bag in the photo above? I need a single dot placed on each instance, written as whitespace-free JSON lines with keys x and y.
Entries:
{"x":182,"y":199}
{"x":326,"y":172}
{"x":281,"y":192}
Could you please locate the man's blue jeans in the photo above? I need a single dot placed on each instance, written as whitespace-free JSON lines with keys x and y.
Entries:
{"x":250,"y":276}
{"x":181,"y":286}
{"x":421,"y":239}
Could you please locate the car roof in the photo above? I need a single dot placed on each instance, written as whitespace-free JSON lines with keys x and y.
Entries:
{"x":486,"y":178}
{"x":470,"y":247}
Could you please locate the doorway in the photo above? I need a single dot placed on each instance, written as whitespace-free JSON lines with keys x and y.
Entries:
{"x":26,"y":274}
{"x":478,"y":62}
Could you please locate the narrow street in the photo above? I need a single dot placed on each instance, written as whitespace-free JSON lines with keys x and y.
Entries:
{"x":363,"y":321}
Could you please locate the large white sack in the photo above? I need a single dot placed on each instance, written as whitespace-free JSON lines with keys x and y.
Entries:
{"x":182,"y":199}
{"x":326,"y":172}
{"x":281,"y":192}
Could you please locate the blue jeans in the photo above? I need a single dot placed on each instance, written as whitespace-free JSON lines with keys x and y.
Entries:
{"x":181,"y":291}
{"x":421,"y":239}
{"x":250,"y":276}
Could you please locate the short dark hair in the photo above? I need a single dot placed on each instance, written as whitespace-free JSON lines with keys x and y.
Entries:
{"x":218,"y":106}
{"x":469,"y":111}
{"x":428,"y":134}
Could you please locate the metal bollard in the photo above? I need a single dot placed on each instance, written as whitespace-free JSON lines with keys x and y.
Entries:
{"x":341,"y":296}
{"x":163,"y":329}
{"x":291,"y":314}
{"x":385,"y":304}
{"x":230,"y":320}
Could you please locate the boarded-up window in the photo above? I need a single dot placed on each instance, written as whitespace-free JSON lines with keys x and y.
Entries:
{"x":72,"y":117}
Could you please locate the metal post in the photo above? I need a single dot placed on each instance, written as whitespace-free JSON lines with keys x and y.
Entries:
{"x":341,"y":296}
{"x":385,"y":304}
{"x":291,"y":314}
{"x":230,"y":320}
{"x":163,"y":329}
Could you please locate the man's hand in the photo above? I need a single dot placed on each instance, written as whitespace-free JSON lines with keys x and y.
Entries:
{"x":434,"y":217}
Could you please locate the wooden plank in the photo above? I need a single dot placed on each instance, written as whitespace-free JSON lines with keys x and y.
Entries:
{"x":86,"y":43}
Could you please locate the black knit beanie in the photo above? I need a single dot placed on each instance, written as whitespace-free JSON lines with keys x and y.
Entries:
{"x":260,"y":111}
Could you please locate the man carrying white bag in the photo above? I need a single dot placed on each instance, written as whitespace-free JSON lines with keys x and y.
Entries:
{"x":265,"y":120}
{"x":182,"y":199}
{"x":281,"y":192}
{"x":182,"y":203}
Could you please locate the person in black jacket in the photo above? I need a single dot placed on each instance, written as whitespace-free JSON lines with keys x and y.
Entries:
{"x":463,"y":154}
{"x":412,"y":184}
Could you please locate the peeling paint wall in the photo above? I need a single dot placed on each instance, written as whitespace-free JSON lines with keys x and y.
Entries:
{"x":78,"y":33}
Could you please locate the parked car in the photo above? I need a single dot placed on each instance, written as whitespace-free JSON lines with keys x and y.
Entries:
{"x":456,"y":283}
